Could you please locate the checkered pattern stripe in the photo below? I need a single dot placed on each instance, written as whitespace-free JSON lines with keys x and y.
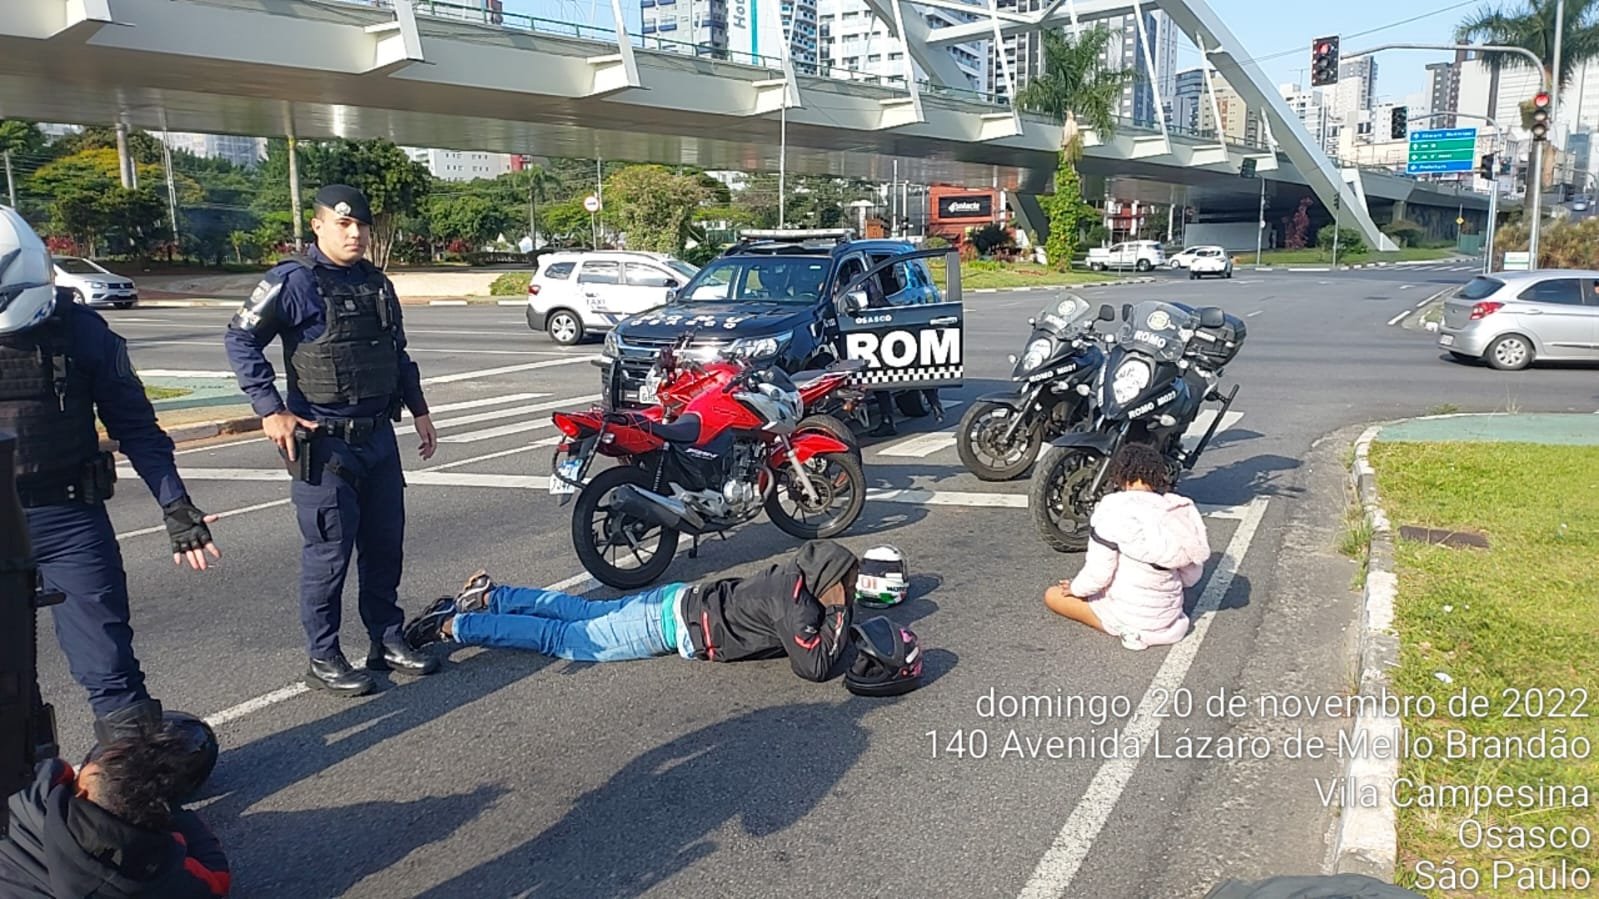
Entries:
{"x":916,"y":373}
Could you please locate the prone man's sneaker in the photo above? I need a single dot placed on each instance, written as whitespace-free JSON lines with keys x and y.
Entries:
{"x":474,"y":597}
{"x":1132,"y":641}
{"x":426,"y":628}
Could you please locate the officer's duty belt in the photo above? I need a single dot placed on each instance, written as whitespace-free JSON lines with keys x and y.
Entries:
{"x":92,"y":483}
{"x":354,"y":431}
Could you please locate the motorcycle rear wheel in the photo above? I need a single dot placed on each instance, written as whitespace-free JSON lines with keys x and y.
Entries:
{"x":1022,"y":450}
{"x":1057,"y":497}
{"x":591,"y":521}
{"x":831,"y":474}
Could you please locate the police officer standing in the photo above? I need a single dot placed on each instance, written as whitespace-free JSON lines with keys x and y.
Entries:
{"x":60,"y":365}
{"x":348,"y":375}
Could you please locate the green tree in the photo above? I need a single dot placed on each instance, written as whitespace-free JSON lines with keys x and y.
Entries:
{"x":1075,"y":82}
{"x":474,"y":219}
{"x":396,"y":186}
{"x":88,"y":202}
{"x":567,"y":223}
{"x":1069,"y":214}
{"x":653,"y":206}
{"x":1531,"y":26}
{"x":17,"y":138}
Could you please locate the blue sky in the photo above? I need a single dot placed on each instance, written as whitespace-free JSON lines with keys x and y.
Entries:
{"x":1258,"y":24}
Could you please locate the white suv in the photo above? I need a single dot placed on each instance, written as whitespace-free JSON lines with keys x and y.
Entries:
{"x":575,"y":293}
{"x":1143,"y":255}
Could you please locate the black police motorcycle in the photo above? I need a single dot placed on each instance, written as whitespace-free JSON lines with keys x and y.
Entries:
{"x":1165,"y":361}
{"x":1000,"y":435}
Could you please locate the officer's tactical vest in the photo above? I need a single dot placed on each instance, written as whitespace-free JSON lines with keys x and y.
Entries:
{"x":46,"y":399}
{"x":356,"y":357}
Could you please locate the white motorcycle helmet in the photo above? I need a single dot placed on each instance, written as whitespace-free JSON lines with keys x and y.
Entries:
{"x":884,"y":579}
{"x":27,"y":275}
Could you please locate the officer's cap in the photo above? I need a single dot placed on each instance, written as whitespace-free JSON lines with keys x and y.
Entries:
{"x":345,"y":200}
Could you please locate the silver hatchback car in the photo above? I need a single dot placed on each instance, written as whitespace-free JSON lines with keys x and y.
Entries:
{"x":1510,"y":319}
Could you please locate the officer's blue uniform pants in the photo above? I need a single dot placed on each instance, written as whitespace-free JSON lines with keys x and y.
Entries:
{"x":361,"y":512}
{"x":77,"y":554}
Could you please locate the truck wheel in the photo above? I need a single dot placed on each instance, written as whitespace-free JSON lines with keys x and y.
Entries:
{"x":913,"y":404}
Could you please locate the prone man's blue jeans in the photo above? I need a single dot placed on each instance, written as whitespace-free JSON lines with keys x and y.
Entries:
{"x":570,"y":627}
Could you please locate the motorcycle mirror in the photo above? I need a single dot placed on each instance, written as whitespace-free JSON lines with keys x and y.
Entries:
{"x":1012,"y":358}
{"x":1032,"y":323}
{"x":1106,"y":313}
{"x":1127,"y":312}
{"x":1212,"y":317}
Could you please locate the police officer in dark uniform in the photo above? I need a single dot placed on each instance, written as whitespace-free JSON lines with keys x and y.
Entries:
{"x":60,"y":365}
{"x":348,"y":375}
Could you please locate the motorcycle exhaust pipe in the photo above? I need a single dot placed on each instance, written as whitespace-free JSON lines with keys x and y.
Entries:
{"x":656,"y":509}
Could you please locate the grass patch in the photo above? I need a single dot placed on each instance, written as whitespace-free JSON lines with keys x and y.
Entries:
{"x":1518,"y":616}
{"x":511,"y":284}
{"x":1443,"y":409}
{"x":987,"y":274}
{"x":1314,"y":256}
{"x":165,"y":393}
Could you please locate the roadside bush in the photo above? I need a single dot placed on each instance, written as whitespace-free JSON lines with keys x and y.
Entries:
{"x":700,"y":255}
{"x":1405,"y":233}
{"x":1560,"y":244}
{"x":935,"y":242}
{"x":511,"y":284}
{"x":1349,"y":241}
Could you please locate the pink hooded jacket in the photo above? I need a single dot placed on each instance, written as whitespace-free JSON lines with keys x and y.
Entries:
{"x":1127,"y":591}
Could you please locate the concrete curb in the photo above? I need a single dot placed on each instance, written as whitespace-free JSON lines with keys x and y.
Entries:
{"x":1366,"y":841}
{"x":1117,"y":283}
{"x":205,"y":430}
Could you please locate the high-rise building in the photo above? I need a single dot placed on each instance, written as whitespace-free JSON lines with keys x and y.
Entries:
{"x":856,"y":45}
{"x":1310,"y":108}
{"x":1236,"y":124}
{"x":1187,"y":96}
{"x":460,"y":165}
{"x":241,"y":151}
{"x":694,"y":27}
{"x":734,"y":30}
{"x":1443,"y":91}
{"x":1356,"y":91}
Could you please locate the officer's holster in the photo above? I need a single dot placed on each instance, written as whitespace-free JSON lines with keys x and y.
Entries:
{"x":94,"y":482}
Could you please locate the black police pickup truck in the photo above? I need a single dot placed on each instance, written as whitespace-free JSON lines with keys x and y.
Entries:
{"x":809,"y":298}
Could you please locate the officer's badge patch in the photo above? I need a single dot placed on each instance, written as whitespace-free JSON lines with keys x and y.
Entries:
{"x":342,"y":208}
{"x":250,"y":316}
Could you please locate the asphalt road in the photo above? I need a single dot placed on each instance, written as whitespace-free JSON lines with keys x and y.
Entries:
{"x":511,"y":774}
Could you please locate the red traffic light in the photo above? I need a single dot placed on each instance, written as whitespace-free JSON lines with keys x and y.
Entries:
{"x":1541,"y":98}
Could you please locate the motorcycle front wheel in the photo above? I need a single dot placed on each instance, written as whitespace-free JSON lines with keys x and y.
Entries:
{"x":840,"y":486}
{"x":831,"y":426}
{"x":609,"y":542}
{"x":1058,"y":497}
{"x":980,"y":441}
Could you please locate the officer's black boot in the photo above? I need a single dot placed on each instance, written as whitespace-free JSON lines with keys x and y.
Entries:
{"x":394,"y":655}
{"x":336,"y":675}
{"x":138,"y":720}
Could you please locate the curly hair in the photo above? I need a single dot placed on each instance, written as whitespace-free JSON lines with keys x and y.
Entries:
{"x":141,"y":777}
{"x":1135,"y":462}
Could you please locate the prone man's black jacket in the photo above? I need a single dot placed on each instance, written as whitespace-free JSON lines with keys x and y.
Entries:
{"x":775,"y":613}
{"x":61,"y":846}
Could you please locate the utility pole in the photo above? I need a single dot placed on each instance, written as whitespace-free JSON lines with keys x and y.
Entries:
{"x":11,"y":184}
{"x":1338,"y":207}
{"x":1260,"y":226}
{"x":172,"y":192}
{"x":782,"y":165}
{"x":1554,"y":89}
{"x":294,"y":196}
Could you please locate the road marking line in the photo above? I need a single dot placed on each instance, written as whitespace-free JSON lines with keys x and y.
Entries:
{"x":1060,"y":863}
{"x":162,"y":529}
{"x":447,"y":303}
{"x":503,"y":370}
{"x":921,"y":445}
{"x":1202,"y":422}
{"x":1426,"y":301}
{"x":551,"y":441}
{"x":1253,"y":314}
{"x":577,"y":584}
{"x":491,"y":433}
{"x":1400,"y":317}
{"x":486,"y":401}
{"x":492,"y":414}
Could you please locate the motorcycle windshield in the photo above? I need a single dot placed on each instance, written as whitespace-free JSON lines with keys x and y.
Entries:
{"x":1155,"y":329}
{"x":1066,"y":318}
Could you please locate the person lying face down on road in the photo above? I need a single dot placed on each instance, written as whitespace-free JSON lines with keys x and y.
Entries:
{"x":800,"y":608}
{"x":1146,"y":545}
{"x":111,"y":829}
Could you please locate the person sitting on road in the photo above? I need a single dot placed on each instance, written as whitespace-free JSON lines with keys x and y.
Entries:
{"x":112,"y":828}
{"x":1146,"y":546}
{"x":800,"y":609}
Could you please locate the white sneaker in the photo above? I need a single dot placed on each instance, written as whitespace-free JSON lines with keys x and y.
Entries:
{"x":1132,"y":641}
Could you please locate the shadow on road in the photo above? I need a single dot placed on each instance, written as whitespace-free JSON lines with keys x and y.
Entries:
{"x":1239,"y":482}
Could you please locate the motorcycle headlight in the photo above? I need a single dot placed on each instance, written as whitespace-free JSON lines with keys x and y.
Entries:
{"x":1130,"y":380}
{"x":612,"y":349}
{"x":1037,"y":352}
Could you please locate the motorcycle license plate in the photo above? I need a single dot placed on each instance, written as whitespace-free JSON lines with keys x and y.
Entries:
{"x":647,"y":394}
{"x":569,"y":469}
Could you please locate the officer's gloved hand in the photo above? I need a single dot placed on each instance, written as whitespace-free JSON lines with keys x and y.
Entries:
{"x":191,"y":538}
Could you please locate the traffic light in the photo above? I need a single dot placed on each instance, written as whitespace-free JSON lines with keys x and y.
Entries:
{"x":1540,"y":116}
{"x":1399,"y":123}
{"x":1486,"y":169}
{"x":1324,"y":61}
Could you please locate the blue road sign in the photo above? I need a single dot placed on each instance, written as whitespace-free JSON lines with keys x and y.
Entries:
{"x":1442,"y":151}
{"x":1445,"y":134}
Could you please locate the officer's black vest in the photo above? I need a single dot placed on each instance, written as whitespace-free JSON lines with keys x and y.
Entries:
{"x":47,"y":400}
{"x":356,"y":357}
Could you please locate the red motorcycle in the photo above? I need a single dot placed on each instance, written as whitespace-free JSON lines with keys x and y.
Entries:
{"x":726,"y":439}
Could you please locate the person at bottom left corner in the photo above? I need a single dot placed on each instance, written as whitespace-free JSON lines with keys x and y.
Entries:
{"x":112,"y":829}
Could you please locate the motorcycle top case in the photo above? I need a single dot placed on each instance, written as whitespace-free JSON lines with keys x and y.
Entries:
{"x":1231,"y":334}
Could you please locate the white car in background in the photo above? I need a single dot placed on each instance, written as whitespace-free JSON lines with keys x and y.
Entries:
{"x":574,"y":294}
{"x":1143,"y":255}
{"x":91,"y":285}
{"x":1183,"y":258}
{"x":1210,"y":261}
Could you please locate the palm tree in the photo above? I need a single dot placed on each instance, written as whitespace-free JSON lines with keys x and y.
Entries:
{"x":1532,"y":27}
{"x":1075,"y":84}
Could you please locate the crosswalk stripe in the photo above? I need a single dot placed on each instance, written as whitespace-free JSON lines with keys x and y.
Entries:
{"x":1202,"y":421}
{"x":486,"y":401}
{"x":922,"y":445}
{"x":490,"y":415}
{"x":491,"y":433}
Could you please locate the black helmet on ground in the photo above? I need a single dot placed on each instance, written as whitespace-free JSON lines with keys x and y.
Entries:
{"x":888,"y":661}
